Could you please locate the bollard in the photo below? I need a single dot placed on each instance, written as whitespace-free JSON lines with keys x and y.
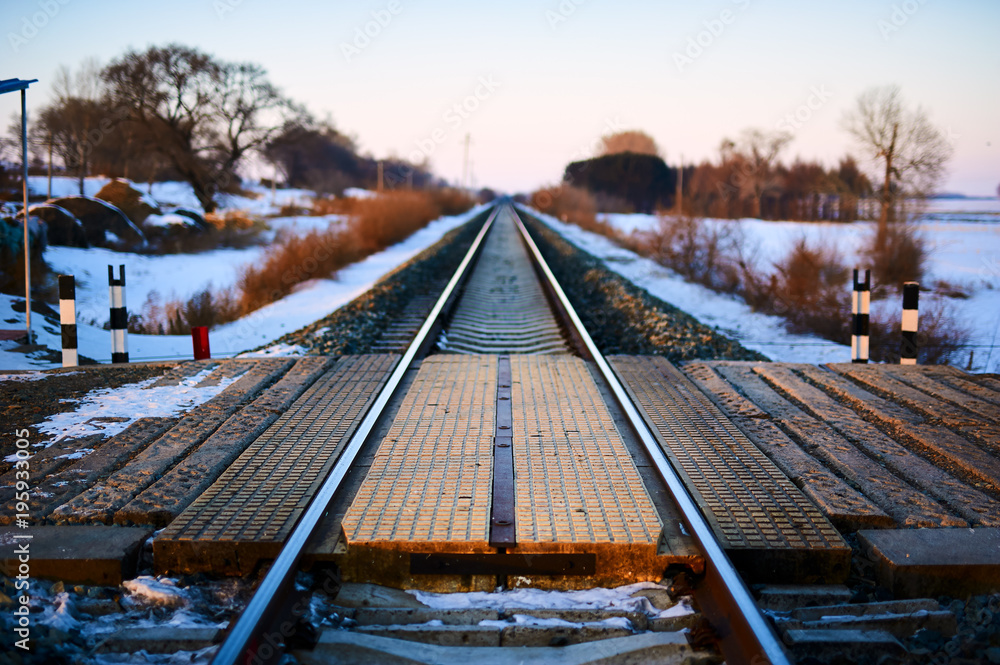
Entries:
{"x":67,"y":320}
{"x":199,"y":337}
{"x":119,"y":316}
{"x":860,"y":306}
{"x":908,"y":346}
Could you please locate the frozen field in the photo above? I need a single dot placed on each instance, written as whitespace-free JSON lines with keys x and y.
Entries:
{"x":964,"y":257}
{"x":179,"y":276}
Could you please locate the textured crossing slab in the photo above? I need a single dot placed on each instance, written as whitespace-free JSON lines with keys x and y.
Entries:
{"x":164,"y":500}
{"x":769,"y":528}
{"x":253,"y":506}
{"x":99,"y":502}
{"x":430,"y":481}
{"x":947,"y":448}
{"x":842,"y":504}
{"x":577,"y":492}
{"x":503,"y":308}
{"x":897,"y":437}
{"x":575,"y":481}
{"x":909,"y":505}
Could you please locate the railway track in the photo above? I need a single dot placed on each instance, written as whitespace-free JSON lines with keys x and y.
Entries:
{"x":503,"y":312}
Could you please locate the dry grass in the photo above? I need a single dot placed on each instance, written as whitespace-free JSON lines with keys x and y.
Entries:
{"x":205,"y":308}
{"x":939,"y":336}
{"x":375,"y":223}
{"x":809,"y":288}
{"x":381,"y":221}
{"x":292,"y":260}
{"x":898,"y":255}
{"x":572,"y":205}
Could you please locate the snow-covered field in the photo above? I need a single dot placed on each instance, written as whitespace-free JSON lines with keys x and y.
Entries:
{"x":964,"y":236}
{"x":182,"y":275}
{"x":963,"y":254}
{"x":180,"y":195}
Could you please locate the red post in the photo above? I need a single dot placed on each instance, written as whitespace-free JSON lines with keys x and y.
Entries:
{"x":199,"y":337}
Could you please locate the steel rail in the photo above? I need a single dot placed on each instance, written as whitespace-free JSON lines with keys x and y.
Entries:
{"x":747,"y":623}
{"x":253,"y":620}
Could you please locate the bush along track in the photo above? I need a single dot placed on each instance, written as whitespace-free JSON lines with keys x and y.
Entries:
{"x":356,"y":326}
{"x":623,"y":318}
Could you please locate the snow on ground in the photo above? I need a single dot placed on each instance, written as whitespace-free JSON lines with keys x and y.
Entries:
{"x":963,"y":254}
{"x":729,"y":314}
{"x":174,"y":194}
{"x":183,"y":275}
{"x":303,"y":224}
{"x":109,"y":411}
{"x":620,"y":598}
{"x":173,"y":276}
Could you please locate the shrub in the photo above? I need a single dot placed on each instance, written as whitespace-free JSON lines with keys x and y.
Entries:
{"x":205,"y":308}
{"x":939,"y":335}
{"x":896,"y":255}
{"x":572,"y":205}
{"x":294,"y":259}
{"x":451,"y":201}
{"x":703,"y":253}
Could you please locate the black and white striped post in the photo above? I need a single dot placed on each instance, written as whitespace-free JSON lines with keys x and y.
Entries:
{"x":67,"y":320}
{"x":860,"y":306}
{"x":119,"y":316}
{"x":908,"y":346}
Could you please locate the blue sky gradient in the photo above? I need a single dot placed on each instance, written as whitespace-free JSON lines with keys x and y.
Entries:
{"x":561,"y":74}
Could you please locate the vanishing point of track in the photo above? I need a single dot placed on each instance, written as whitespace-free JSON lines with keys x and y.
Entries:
{"x":541,"y":321}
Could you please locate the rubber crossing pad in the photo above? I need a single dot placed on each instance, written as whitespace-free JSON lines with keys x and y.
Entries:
{"x":247,"y":514}
{"x":770,"y":529}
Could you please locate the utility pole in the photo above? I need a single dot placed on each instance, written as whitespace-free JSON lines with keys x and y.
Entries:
{"x":465,"y":165}
{"x":50,"y":166}
{"x":680,"y":188}
{"x":380,"y":185}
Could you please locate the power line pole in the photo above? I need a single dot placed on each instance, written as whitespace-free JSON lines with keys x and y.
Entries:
{"x":465,"y":166}
{"x":380,"y":185}
{"x":50,"y":166}
{"x":680,"y":188}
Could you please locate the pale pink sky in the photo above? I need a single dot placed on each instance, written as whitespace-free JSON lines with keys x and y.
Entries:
{"x":537,"y":83}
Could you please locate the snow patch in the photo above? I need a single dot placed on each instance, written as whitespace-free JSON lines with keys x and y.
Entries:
{"x":109,"y":411}
{"x":162,"y":592}
{"x":620,"y":598}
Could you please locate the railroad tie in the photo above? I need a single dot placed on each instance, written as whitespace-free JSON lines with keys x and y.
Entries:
{"x":769,"y":528}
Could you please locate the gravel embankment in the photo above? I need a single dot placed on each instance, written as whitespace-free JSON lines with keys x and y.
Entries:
{"x":623,"y":318}
{"x":356,"y":326}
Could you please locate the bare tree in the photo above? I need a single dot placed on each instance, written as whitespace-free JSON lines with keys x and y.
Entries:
{"x":632,"y":140}
{"x":70,"y":123}
{"x":201,"y":114}
{"x":907,"y":153}
{"x":759,"y":152}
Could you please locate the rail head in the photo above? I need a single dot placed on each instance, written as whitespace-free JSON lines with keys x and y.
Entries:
{"x":741,"y":612}
{"x":237,"y":648}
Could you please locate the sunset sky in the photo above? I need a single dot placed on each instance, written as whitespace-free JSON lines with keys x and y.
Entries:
{"x":538,"y":83}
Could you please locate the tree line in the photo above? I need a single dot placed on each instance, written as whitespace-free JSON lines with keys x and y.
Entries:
{"x":176,"y":113}
{"x":903,"y":157}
